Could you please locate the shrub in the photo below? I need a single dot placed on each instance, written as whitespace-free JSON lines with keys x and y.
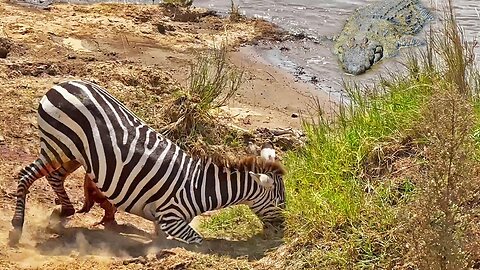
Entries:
{"x":212,"y":82}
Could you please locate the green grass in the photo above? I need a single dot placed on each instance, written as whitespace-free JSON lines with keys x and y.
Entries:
{"x":330,"y":217}
{"x":338,"y":216}
{"x":331,"y":220}
{"x":237,"y":222}
{"x":326,"y":195}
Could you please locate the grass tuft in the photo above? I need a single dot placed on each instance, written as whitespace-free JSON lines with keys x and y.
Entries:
{"x":238,"y":222}
{"x":234,"y":14}
{"x":180,"y":3}
{"x":191,"y":116}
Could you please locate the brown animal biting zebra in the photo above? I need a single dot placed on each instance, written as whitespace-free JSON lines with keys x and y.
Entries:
{"x":94,"y":195}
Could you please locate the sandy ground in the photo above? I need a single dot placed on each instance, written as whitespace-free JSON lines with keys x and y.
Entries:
{"x":123,"y":48}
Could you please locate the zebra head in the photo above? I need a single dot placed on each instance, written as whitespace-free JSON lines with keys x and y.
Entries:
{"x":269,"y":202}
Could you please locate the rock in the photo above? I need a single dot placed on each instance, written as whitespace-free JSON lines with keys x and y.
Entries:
{"x":268,"y":151}
{"x":287,"y":142}
{"x":299,"y":36}
{"x":2,"y":139}
{"x":162,"y":29}
{"x":252,"y":149}
{"x":283,"y":138}
{"x":89,"y":58}
{"x":5,"y":46}
{"x":3,"y":52}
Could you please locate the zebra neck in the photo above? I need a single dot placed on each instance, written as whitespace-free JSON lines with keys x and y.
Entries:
{"x":221,"y":187}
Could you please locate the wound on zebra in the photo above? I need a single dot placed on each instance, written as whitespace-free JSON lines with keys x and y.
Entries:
{"x":137,"y":169}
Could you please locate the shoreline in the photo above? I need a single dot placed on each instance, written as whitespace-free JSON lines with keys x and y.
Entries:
{"x":282,"y":94}
{"x":130,"y":50}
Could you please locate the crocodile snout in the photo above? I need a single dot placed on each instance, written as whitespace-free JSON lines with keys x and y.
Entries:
{"x":358,"y":59}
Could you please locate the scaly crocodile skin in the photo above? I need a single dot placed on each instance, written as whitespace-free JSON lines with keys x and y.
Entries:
{"x":377,"y":31}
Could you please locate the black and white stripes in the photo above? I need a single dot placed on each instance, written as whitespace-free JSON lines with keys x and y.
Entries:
{"x":137,"y":169}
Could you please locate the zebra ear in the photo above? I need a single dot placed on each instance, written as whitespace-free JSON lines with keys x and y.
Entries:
{"x":262,"y":179}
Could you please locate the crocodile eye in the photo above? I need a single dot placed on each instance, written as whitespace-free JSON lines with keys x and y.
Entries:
{"x":351,"y":43}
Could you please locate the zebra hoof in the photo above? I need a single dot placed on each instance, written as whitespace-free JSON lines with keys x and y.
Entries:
{"x":67,"y":211}
{"x":14,"y":236}
{"x":56,"y":213}
{"x":197,"y":241}
{"x":57,"y":218}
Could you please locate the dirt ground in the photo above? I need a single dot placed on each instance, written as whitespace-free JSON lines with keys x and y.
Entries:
{"x":123,"y":47}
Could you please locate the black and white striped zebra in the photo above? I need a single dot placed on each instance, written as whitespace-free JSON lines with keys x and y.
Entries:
{"x":136,"y":168}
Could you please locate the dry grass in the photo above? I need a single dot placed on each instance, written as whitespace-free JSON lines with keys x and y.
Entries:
{"x":437,"y":218}
{"x":191,"y":119}
{"x":234,"y":14}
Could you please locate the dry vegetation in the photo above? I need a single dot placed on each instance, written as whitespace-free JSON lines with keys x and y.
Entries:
{"x":191,"y":116}
{"x":392,"y":183}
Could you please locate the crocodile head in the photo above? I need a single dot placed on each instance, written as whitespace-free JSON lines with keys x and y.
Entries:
{"x":357,"y":57}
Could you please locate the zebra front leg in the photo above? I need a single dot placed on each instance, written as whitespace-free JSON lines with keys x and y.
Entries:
{"x":89,"y":192}
{"x":177,"y":228}
{"x":57,"y":181}
{"x":18,"y":218}
{"x":94,"y":195}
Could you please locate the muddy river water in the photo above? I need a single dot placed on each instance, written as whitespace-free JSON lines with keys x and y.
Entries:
{"x":312,"y":59}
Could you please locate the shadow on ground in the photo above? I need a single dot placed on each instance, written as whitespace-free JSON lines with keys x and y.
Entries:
{"x":127,"y":240}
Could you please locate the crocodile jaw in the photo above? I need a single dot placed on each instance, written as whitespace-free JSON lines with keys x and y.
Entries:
{"x":358,"y":58}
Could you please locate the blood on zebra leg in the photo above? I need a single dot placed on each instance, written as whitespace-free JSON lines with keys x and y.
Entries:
{"x":94,"y":195}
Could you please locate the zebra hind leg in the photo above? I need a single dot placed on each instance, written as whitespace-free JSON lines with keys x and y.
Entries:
{"x":177,"y":228}
{"x":27,"y":176}
{"x":57,"y":181}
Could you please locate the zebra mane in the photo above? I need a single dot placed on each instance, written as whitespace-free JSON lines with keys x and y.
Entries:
{"x":248,"y":163}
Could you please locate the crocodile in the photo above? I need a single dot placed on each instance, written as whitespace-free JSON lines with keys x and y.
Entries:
{"x":377,"y":31}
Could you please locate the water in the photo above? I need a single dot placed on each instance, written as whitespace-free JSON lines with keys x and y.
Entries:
{"x":312,"y":59}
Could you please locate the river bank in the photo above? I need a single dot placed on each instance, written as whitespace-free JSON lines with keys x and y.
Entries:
{"x":142,"y":54}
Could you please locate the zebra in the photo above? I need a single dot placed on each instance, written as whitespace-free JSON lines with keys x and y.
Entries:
{"x":139,"y":170}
